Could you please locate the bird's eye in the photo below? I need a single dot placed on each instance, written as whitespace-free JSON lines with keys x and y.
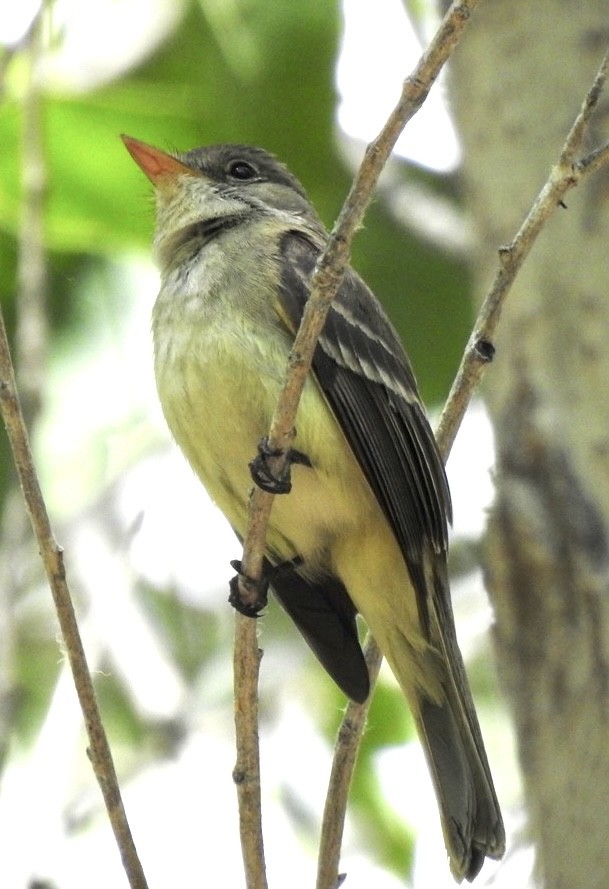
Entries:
{"x":241,"y":170}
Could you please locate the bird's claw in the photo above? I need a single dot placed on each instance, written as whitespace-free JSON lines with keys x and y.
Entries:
{"x":256,"y":589}
{"x":265,"y":476}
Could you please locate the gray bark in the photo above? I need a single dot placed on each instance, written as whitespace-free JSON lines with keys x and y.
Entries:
{"x":518,"y":81}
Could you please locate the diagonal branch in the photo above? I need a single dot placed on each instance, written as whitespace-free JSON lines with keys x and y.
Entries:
{"x":565,"y":175}
{"x":333,"y":263}
{"x":329,"y":273}
{"x":52,"y":557}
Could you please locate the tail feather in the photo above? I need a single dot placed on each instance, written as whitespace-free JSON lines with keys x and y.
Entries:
{"x":449,"y":731}
{"x":487,"y":830}
{"x":471,"y":820}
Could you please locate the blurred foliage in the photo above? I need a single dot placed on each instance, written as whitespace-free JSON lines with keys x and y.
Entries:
{"x":257,"y":72}
{"x":189,"y":633}
{"x":36,"y":670}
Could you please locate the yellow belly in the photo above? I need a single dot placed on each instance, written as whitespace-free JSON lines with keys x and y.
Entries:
{"x":218,"y":396}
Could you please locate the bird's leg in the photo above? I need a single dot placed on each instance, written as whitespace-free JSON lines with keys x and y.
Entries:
{"x":263,"y":473}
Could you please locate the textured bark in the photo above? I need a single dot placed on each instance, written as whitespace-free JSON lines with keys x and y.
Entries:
{"x":519,"y":80}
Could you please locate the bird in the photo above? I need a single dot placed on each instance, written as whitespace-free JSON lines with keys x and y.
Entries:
{"x":360,"y":525}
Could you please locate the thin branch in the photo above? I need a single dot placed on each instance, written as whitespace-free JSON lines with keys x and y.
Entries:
{"x":346,"y":749}
{"x":329,"y":273}
{"x":246,"y":774}
{"x":565,"y":175}
{"x":52,"y":558}
{"x":577,"y":133}
{"x":593,"y":161}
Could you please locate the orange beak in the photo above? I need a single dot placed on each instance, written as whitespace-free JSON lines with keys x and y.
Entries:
{"x":156,"y":164}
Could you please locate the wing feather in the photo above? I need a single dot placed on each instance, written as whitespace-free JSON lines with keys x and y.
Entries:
{"x":325,"y":615}
{"x":366,"y":377}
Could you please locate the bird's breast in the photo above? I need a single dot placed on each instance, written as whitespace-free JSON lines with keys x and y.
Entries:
{"x":218,"y":378}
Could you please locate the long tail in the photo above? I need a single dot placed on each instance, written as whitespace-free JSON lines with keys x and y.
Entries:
{"x":471,"y":818}
{"x":449,"y":731}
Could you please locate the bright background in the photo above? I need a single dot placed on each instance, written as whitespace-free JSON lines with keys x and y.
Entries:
{"x":147,"y":553}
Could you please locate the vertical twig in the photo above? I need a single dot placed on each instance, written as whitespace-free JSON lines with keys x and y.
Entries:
{"x":246,"y":774}
{"x":346,"y":749}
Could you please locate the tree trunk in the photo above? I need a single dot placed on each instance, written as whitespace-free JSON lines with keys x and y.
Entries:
{"x":518,"y":81}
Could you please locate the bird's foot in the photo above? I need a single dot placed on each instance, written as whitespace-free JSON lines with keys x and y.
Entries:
{"x":256,"y":590}
{"x":264,"y":474}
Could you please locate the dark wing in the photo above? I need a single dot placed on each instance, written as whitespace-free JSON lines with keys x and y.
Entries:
{"x":325,"y":615}
{"x":365,"y":375}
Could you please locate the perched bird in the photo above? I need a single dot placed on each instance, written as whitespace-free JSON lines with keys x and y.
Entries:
{"x":364,"y":527}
